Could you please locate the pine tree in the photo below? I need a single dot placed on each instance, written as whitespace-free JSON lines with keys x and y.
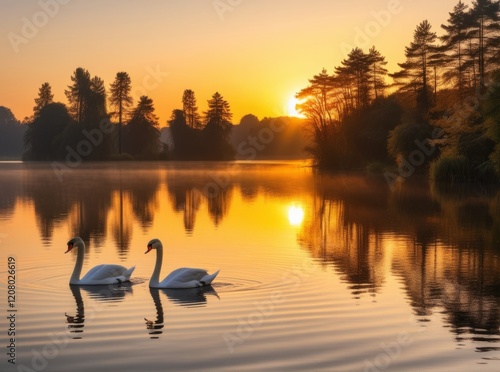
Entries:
{"x":218,"y":129}
{"x":78,"y":93}
{"x":454,"y":44}
{"x":96,"y":108}
{"x":356,"y":70}
{"x":45,"y":97}
{"x":414,"y":73}
{"x":121,"y":99}
{"x":218,"y":111}
{"x":378,"y":70}
{"x":190,"y":109}
{"x":484,"y":17}
{"x":142,"y":137}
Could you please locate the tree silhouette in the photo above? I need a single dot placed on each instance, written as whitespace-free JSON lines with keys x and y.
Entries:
{"x":142,"y":137}
{"x":491,"y":110}
{"x":87,"y":105}
{"x":45,"y":97}
{"x":96,"y":108}
{"x":11,"y":134}
{"x":484,"y":18}
{"x":77,"y":93}
{"x":378,"y":63}
{"x":317,"y":104}
{"x":121,"y":99}
{"x":42,"y":134}
{"x":358,"y":81}
{"x":218,"y":129}
{"x":356,"y":70}
{"x":455,"y":37}
{"x":414,"y":73}
{"x":190,"y":109}
{"x":218,"y":111}
{"x":186,"y":140}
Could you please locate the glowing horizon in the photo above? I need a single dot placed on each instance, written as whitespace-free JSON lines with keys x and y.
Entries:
{"x":256,"y":55}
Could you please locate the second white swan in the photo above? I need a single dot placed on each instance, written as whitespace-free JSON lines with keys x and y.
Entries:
{"x":180,"y":278}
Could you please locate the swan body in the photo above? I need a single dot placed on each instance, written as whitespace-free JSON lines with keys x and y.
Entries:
{"x":98,"y":275}
{"x":179,"y":278}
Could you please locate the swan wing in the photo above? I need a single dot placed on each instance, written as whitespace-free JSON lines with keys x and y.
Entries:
{"x":108,"y":274}
{"x":187,"y":278}
{"x":185,"y":274}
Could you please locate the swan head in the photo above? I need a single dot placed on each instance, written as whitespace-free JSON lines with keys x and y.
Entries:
{"x":154,"y":244}
{"x":78,"y":242}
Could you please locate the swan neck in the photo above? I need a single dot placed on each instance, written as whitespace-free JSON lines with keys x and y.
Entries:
{"x":155,"y":278}
{"x":75,"y":277}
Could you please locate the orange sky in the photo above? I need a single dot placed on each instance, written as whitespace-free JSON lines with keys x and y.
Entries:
{"x":256,"y":53}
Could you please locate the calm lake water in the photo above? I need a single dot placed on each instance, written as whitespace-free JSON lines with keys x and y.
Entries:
{"x":317,"y":271}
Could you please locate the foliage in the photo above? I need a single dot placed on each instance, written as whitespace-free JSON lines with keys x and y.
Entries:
{"x":461,"y":169}
{"x":141,"y":134}
{"x":42,"y":134}
{"x":367,"y":131}
{"x":11,"y":134}
{"x":191,"y":141}
{"x":190,"y":109}
{"x":186,"y":140}
{"x":45,"y":97}
{"x":414,"y":73}
{"x":350,"y":120}
{"x":87,"y":105}
{"x":78,"y":94}
{"x":491,"y":110}
{"x":403,"y":138}
{"x":483,"y":20}
{"x":472,"y":135}
{"x":450,"y":169}
{"x":121,"y":99}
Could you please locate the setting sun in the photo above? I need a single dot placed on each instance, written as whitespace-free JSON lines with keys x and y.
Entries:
{"x":292,"y":107}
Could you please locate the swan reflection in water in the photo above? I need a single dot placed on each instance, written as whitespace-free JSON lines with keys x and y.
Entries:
{"x":191,"y":297}
{"x":104,"y":293}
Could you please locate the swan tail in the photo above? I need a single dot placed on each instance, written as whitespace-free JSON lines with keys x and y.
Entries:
{"x":208,"y":279}
{"x":128,"y":273}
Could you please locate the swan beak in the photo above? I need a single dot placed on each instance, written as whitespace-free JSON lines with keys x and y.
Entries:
{"x":70,"y":247}
{"x":150,"y":247}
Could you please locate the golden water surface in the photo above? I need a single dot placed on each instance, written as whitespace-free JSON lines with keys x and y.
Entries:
{"x":317,"y":271}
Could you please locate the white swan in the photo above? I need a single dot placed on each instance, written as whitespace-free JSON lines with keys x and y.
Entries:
{"x":98,"y":275}
{"x":180,"y":278}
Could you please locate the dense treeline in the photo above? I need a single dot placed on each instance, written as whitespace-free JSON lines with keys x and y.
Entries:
{"x":270,"y":138}
{"x":443,"y":111}
{"x":11,"y":135}
{"x":83,"y":130}
{"x":441,"y":114}
{"x":197,"y":139}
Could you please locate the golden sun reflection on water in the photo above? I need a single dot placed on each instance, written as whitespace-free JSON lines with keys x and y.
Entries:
{"x":295,"y":215}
